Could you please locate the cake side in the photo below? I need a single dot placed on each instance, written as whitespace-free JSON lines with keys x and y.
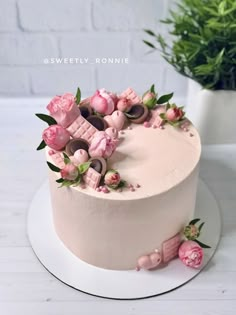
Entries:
{"x":113,"y":234}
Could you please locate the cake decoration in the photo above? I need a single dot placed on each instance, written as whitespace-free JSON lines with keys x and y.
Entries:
{"x":170,"y":248}
{"x":191,"y":254}
{"x":150,"y":261}
{"x":88,"y":131}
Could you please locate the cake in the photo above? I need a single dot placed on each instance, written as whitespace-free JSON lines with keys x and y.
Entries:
{"x":127,"y":167}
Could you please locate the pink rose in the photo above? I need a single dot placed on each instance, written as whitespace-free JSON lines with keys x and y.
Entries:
{"x":102,"y":145}
{"x":191,"y":254}
{"x":174,"y":114}
{"x":149,"y":99}
{"x":56,"y":137}
{"x":63,"y":109}
{"x":103,"y":102}
{"x":123,"y":104}
{"x":69,"y":172}
{"x":112,"y":178}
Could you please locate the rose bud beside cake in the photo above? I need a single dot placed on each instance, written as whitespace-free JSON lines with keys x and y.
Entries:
{"x":191,"y":254}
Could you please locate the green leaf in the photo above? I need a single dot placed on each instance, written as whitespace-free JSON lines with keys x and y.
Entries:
{"x":66,"y":158}
{"x":53,"y":167}
{"x":163,"y":116}
{"x":194,"y":221}
{"x":41,"y":146}
{"x":84,"y":167}
{"x":202,"y":244}
{"x":164,"y":98}
{"x":60,"y":180}
{"x":149,"y":32}
{"x":149,"y":44}
{"x":152,"y":88}
{"x":66,"y":183}
{"x":78,"y":96}
{"x":201,"y":226}
{"x":48,"y":119}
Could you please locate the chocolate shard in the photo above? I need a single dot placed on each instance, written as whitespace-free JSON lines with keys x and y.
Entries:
{"x":76,"y":144}
{"x":137,"y":113}
{"x":97,"y":122}
{"x":85,"y":111}
{"x":99,"y":164}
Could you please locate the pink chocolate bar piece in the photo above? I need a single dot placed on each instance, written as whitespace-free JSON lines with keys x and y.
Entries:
{"x":92,"y":178}
{"x":170,"y":248}
{"x":81,"y":128}
{"x":155,"y":117}
{"x":58,"y":159}
{"x":132,"y":96}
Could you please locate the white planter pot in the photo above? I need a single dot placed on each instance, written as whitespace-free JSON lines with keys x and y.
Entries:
{"x":213,"y":113}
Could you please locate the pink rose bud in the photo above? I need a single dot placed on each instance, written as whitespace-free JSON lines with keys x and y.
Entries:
{"x":112,"y":178}
{"x":80,"y":156}
{"x":103,"y":102}
{"x":56,"y":137}
{"x":191,"y":232}
{"x":174,"y":114}
{"x":64,"y":109}
{"x":102,"y":145}
{"x":149,"y":99}
{"x":69,"y":172}
{"x":191,"y":254}
{"x":123,"y":104}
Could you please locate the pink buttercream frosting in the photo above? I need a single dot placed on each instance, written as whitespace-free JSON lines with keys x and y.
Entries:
{"x":63,"y":109}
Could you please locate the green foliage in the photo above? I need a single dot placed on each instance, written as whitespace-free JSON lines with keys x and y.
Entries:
{"x":203,"y":47}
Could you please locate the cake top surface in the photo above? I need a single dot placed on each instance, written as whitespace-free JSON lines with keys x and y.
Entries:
{"x":119,"y":147}
{"x":154,"y":159}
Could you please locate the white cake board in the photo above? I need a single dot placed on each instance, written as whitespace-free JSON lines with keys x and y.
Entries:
{"x":65,"y":266}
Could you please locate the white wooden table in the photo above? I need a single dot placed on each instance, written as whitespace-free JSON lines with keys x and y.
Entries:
{"x":26,"y":288}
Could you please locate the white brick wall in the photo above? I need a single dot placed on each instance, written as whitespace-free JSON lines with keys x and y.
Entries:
{"x":31,"y":31}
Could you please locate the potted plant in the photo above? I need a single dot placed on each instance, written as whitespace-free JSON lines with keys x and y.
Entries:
{"x":203,"y":48}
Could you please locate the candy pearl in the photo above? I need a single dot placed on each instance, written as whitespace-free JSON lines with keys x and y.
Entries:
{"x":51,"y":152}
{"x":147,"y":124}
{"x":101,"y":187}
{"x":154,"y":126}
{"x":120,"y":190}
{"x":138,"y":186}
{"x":130,"y":186}
{"x":105,"y":190}
{"x":130,"y":128}
{"x":191,"y":134}
{"x":185,"y":129}
{"x":81,"y":156}
{"x":122,"y":132}
{"x":98,"y":189}
{"x":132,"y":189}
{"x":161,"y":127}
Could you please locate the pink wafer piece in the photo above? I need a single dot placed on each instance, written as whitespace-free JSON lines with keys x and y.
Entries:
{"x":81,"y":128}
{"x":170,"y":248}
{"x":92,"y":178}
{"x":58,"y":160}
{"x":132,"y":96}
{"x":155,"y":119}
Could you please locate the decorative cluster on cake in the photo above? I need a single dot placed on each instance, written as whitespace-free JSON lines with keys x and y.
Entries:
{"x":82,"y":135}
{"x":185,"y":245}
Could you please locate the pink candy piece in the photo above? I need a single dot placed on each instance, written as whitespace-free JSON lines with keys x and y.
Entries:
{"x":81,"y":156}
{"x":58,"y":160}
{"x":112,"y":132}
{"x":105,"y":189}
{"x":170,"y":248}
{"x":138,"y":186}
{"x":116,"y":119}
{"x":51,"y":152}
{"x":81,"y":128}
{"x":149,"y":261}
{"x":92,"y":178}
{"x":132,"y":189}
{"x":147,"y":124}
{"x":155,"y":119}
{"x":154,"y":126}
{"x":162,"y":127}
{"x":132,"y":96}
{"x":185,"y":129}
{"x":191,"y":134}
{"x":98,"y":189}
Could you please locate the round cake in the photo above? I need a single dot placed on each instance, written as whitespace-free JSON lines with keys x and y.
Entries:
{"x":116,"y":226}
